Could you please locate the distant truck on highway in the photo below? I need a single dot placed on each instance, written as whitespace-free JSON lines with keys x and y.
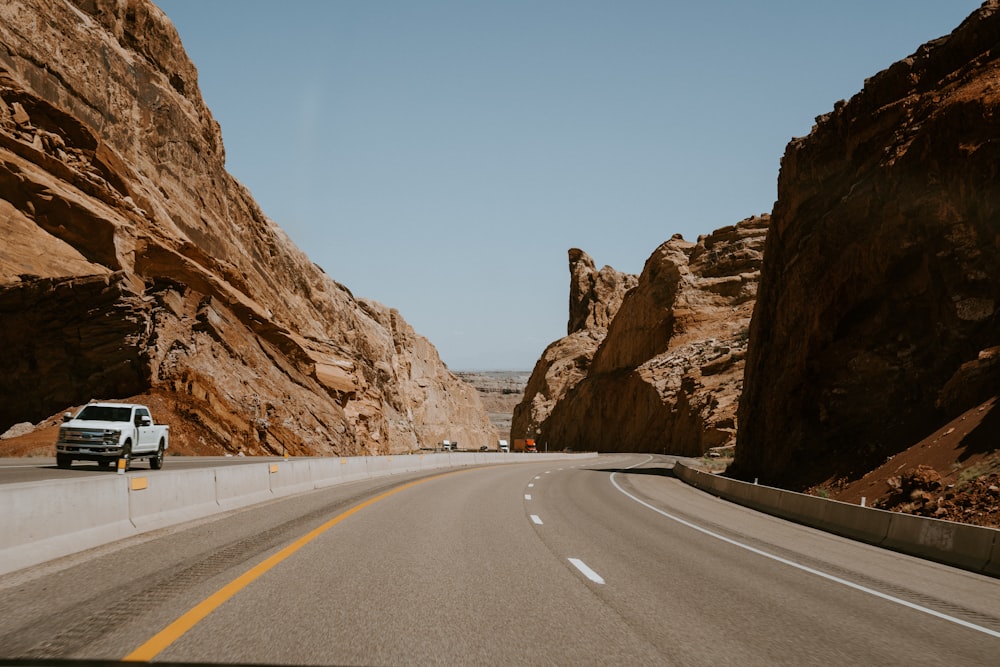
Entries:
{"x":525,"y":445}
{"x":106,"y":432}
{"x":503,"y":446}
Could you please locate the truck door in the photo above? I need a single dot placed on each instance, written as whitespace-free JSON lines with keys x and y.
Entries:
{"x":145,"y":434}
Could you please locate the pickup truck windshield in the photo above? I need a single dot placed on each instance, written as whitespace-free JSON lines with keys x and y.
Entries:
{"x":103,"y":413}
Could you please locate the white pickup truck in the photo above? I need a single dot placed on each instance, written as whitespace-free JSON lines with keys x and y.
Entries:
{"x":106,"y":432}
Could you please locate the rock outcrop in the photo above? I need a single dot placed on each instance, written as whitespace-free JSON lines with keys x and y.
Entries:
{"x":134,"y":264}
{"x":666,"y":374}
{"x":877,"y":319}
{"x":594,"y":298}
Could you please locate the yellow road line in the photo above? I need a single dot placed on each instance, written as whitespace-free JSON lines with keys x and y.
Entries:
{"x":188,"y":620}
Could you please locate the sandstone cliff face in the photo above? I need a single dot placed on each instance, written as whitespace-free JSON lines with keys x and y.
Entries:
{"x":667,"y":373}
{"x":594,"y":298}
{"x":133,"y":263}
{"x":877,"y":317}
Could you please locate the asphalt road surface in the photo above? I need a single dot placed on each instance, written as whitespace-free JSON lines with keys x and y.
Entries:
{"x":604,"y":561}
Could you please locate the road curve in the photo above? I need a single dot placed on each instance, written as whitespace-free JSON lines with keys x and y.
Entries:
{"x":605,"y":561}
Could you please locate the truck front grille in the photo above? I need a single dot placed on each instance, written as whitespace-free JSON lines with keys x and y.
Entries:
{"x":85,"y":436}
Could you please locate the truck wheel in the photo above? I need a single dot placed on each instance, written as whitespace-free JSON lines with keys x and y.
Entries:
{"x":64,"y":461}
{"x":127,"y":454}
{"x":156,"y":462}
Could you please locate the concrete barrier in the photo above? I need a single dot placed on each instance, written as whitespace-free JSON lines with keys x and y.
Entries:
{"x":354,"y":468}
{"x":436,"y":461}
{"x":420,"y":461}
{"x":42,"y":520}
{"x":993,"y":566}
{"x":960,"y":545}
{"x":969,"y":547}
{"x":291,"y":476}
{"x":241,"y":485}
{"x":864,"y":524}
{"x":408,"y":463}
{"x":379,"y":466}
{"x":326,"y":472}
{"x":762,"y":498}
{"x":170,"y":497}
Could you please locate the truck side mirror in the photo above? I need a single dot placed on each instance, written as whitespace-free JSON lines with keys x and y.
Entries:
{"x":67,"y":416}
{"x":144,"y":420}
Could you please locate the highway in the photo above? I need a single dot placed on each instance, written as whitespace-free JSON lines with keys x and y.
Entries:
{"x":604,"y":561}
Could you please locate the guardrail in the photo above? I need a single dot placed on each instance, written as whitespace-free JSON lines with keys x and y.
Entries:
{"x":50,"y":519}
{"x":973,"y":548}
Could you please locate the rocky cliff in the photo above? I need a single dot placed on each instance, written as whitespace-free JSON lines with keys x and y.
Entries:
{"x":667,"y":371}
{"x":594,"y":298}
{"x":877,"y":316}
{"x":134,"y":264}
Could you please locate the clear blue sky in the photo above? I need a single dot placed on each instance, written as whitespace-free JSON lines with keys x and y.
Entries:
{"x":441,"y":156}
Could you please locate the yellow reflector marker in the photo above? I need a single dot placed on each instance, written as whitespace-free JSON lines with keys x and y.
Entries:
{"x":138,"y":483}
{"x":175,"y":630}
{"x":343,"y":462}
{"x":274,"y":467}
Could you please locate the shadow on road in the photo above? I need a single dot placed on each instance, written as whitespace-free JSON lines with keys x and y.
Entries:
{"x":81,"y":467}
{"x":662,"y":472}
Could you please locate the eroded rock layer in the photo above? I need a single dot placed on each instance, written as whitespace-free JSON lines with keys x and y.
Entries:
{"x":666,"y":373}
{"x":134,"y":263}
{"x":594,"y":298}
{"x":877,"y":318}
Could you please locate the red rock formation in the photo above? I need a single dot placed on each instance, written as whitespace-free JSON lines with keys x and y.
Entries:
{"x":133,"y":262}
{"x":667,"y":373}
{"x":878,"y":300}
{"x":594,"y":298}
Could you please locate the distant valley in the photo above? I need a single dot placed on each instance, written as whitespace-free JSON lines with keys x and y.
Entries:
{"x":499,"y":392}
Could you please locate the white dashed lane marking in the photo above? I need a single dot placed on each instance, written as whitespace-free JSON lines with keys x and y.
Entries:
{"x":536,"y":519}
{"x":587,"y":572}
{"x":527,"y":496}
